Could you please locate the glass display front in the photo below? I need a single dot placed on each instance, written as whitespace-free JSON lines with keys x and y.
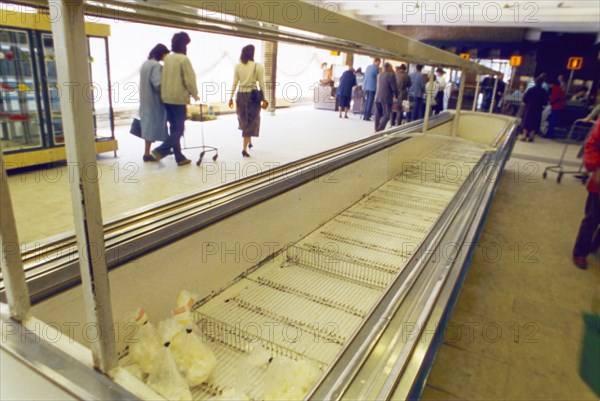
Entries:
{"x":101,"y":87}
{"x":30,"y":111}
{"x":19,"y":106}
{"x":53,"y":88}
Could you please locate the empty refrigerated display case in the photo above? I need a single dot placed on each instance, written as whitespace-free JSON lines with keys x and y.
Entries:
{"x":375,"y":245}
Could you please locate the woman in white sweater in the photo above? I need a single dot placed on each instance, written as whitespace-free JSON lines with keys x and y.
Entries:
{"x":248,"y":101}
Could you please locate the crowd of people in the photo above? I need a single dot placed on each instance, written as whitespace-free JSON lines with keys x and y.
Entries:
{"x":550,"y":93}
{"x":389,"y":93}
{"x":168,"y":81}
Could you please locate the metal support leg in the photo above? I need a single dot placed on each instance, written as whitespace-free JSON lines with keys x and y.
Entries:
{"x":68,"y":28}
{"x":461,"y":92}
{"x":428,"y":103}
{"x":11,"y":262}
{"x":270,"y":57}
{"x":476,"y":98}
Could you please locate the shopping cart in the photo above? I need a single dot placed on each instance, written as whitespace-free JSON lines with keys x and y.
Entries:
{"x":201,"y":118}
{"x":580,"y":130}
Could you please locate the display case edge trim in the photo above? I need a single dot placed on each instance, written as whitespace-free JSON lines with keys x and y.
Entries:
{"x":41,"y":22}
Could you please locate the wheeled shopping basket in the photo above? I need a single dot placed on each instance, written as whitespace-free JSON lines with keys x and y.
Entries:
{"x":580,"y":130}
{"x":204,"y":148}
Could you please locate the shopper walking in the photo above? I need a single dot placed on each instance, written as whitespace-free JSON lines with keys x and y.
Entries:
{"x":558,"y":102}
{"x":441,"y":90}
{"x":248,"y":74}
{"x":344,"y":91}
{"x":403,"y":81}
{"x":178,"y":85}
{"x":153,"y":115}
{"x":370,"y":87}
{"x":433,"y":88}
{"x":535,"y":99}
{"x":415,"y":94}
{"x":487,"y":90}
{"x":588,"y":239}
{"x":387,"y":90}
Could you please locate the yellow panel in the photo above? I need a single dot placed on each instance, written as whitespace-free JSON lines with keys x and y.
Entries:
{"x":45,"y":156}
{"x":41,"y":22}
{"x":575,"y":63}
{"x":515,"y":61}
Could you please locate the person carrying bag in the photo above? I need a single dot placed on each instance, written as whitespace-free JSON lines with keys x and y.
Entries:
{"x":249,"y":99}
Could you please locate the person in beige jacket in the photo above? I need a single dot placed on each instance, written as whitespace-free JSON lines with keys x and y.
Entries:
{"x":177,"y":86}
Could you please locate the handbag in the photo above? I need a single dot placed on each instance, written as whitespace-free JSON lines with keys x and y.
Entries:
{"x":136,"y":128}
{"x":256,"y":95}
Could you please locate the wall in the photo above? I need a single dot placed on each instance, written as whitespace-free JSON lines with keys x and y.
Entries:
{"x":554,"y":50}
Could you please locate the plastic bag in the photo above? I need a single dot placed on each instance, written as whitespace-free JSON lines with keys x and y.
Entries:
{"x":166,"y":379}
{"x":287,"y":379}
{"x":257,"y":358}
{"x":138,"y":316}
{"x":169,"y":328}
{"x":193,"y":357}
{"x":186,"y":300}
{"x":147,"y":342}
{"x":183,"y":314}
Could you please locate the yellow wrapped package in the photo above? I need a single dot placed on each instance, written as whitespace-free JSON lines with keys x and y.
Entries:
{"x":195,"y":359}
{"x":166,"y":379}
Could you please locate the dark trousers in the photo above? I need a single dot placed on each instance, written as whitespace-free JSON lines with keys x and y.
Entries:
{"x":176,"y":115}
{"x":588,"y":238}
{"x":383,"y":113}
{"x":370,"y":95}
{"x":397,"y":116}
{"x":553,"y":121}
{"x":439,"y":103}
{"x":417,"y":108}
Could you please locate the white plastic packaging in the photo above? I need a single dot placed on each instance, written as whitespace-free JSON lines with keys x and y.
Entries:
{"x":146,"y":342}
{"x":247,"y":367}
{"x":194,"y":358}
{"x":166,"y":379}
{"x":182,"y":313}
{"x":289,"y":380}
{"x":186,"y":299}
{"x":169,"y":328}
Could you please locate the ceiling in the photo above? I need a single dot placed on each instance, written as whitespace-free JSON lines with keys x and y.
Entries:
{"x":540,"y":15}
